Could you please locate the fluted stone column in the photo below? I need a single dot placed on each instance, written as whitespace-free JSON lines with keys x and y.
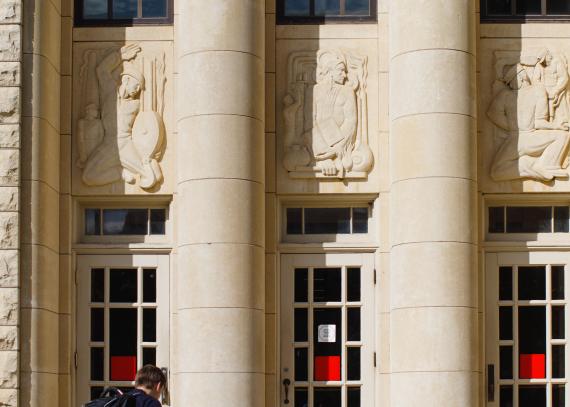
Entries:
{"x":220,"y":216}
{"x":433,"y":203}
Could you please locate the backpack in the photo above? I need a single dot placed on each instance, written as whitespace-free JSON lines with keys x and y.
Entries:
{"x":112,"y":397}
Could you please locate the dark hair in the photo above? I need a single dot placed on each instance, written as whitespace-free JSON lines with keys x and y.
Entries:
{"x":149,"y":376}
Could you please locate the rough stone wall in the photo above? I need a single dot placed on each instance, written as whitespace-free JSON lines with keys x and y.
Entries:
{"x":10,"y":102}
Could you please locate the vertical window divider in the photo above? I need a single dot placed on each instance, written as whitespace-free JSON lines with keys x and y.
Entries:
{"x":106,"y":318}
{"x":310,"y":334}
{"x":302,"y":221}
{"x":543,"y":7}
{"x":110,"y":9}
{"x":552,"y":214}
{"x":505,"y":219}
{"x":101,"y":222}
{"x":516,"y":358}
{"x":549,"y":334}
{"x":312,"y":14}
{"x":139,"y":9}
{"x":342,"y":7}
{"x":514,"y":13}
{"x":139,"y":316}
{"x":351,"y":219}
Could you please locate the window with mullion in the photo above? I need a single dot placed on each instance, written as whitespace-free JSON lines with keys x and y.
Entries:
{"x":122,"y":12}
{"x":507,"y":10}
{"x":320,"y":11}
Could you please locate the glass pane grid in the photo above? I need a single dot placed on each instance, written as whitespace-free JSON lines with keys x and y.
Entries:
{"x":554,"y":390}
{"x":138,"y":306}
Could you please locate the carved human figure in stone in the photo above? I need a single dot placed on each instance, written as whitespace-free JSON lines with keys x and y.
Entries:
{"x":532,"y":146}
{"x":90,"y":134}
{"x":324,"y":115}
{"x":552,"y":71}
{"x":123,"y":152}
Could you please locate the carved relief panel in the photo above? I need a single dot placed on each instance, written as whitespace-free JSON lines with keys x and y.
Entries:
{"x":121,"y":94}
{"x":325,"y":115}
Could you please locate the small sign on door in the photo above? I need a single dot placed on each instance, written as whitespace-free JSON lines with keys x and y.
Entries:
{"x":327,"y":333}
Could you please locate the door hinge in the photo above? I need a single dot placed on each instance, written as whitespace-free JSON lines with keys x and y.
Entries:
{"x":75,"y":359}
{"x":374,"y":359}
{"x":374,"y":276}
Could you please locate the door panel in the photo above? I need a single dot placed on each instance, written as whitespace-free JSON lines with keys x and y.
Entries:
{"x":327,"y":330}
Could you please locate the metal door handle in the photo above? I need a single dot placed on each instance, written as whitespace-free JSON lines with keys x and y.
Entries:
{"x":286,"y":383}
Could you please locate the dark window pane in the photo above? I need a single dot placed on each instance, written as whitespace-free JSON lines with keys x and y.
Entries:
{"x":125,"y":221}
{"x":505,"y":283}
{"x":327,"y":7}
{"x":92,"y":222}
{"x":97,"y":324}
{"x":561,"y":214}
{"x":123,"y":285}
{"x":359,"y":220}
{"x":97,"y":285}
{"x":153,"y":8}
{"x":353,"y":284}
{"x":149,"y":356}
{"x":149,"y":285}
{"x":301,"y":397}
{"x":506,"y":396}
{"x":301,"y":285}
{"x":497,"y":219}
{"x":157,"y":220}
{"x":149,"y":325}
{"x":557,"y":282}
{"x":297,"y":8}
{"x":95,"y":9}
{"x":327,"y":397}
{"x":529,"y":219}
{"x":506,"y":362}
{"x":96,"y":392}
{"x":353,"y":363}
{"x":301,"y":325}
{"x":558,"y":7}
{"x":532,"y":283}
{"x":505,"y":323}
{"x":97,"y":363}
{"x":499,"y":7}
{"x":528,"y":6}
{"x":301,"y":364}
{"x":357,"y":7}
{"x":532,"y":330}
{"x":327,"y":220}
{"x":124,"y":9}
{"x":327,"y":284}
{"x":353,"y":397}
{"x":558,"y":395}
{"x":327,"y":328}
{"x":123,"y":343}
{"x":532,"y":396}
{"x":558,"y":322}
{"x":294,"y":221}
{"x":558,"y":369}
{"x":353,"y":324}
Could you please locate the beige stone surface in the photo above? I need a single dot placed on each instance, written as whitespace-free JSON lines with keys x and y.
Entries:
{"x":41,"y":96}
{"x":9,"y":268}
{"x":8,"y":338}
{"x":9,"y":73}
{"x":42,"y":31}
{"x":42,"y":150}
{"x":9,"y":136}
{"x":9,"y":105}
{"x":40,"y":347}
{"x":10,"y":43}
{"x":242,"y":349}
{"x":9,"y":397}
{"x":37,"y":198}
{"x":10,"y":11}
{"x":9,"y":225}
{"x":221,"y":275}
{"x":8,"y":370}
{"x":40,"y":277}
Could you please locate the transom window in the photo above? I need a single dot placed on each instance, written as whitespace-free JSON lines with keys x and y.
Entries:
{"x":528,"y":219}
{"x":315,"y":11}
{"x":316,"y":221}
{"x":123,"y":12}
{"x":131,"y":221}
{"x":497,"y":10}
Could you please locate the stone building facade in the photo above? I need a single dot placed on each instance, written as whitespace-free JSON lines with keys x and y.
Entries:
{"x":286,"y":202}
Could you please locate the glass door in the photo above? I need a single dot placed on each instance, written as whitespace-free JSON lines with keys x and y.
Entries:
{"x":122,"y":319}
{"x":327,"y":330}
{"x":526,"y":312}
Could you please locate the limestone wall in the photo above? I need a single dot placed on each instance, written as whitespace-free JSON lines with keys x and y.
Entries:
{"x":10,"y":134}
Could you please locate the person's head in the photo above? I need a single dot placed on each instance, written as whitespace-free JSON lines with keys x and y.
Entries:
{"x":516,"y":77}
{"x":151,"y":380}
{"x":132,"y":82}
{"x":544,"y":56}
{"x":91,"y":111}
{"x":331,"y":65}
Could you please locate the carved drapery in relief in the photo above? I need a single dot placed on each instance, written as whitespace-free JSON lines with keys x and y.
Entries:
{"x":120,"y":133}
{"x":530,"y":113}
{"x":325,"y":116}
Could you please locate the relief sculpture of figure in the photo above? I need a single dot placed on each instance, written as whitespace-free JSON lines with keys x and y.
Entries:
{"x":325,"y":128}
{"x":124,"y":143}
{"x":533,"y":145}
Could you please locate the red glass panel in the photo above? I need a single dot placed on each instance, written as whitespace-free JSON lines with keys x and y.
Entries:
{"x":532,"y":366}
{"x":327,"y":368}
{"x":123,"y":368}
